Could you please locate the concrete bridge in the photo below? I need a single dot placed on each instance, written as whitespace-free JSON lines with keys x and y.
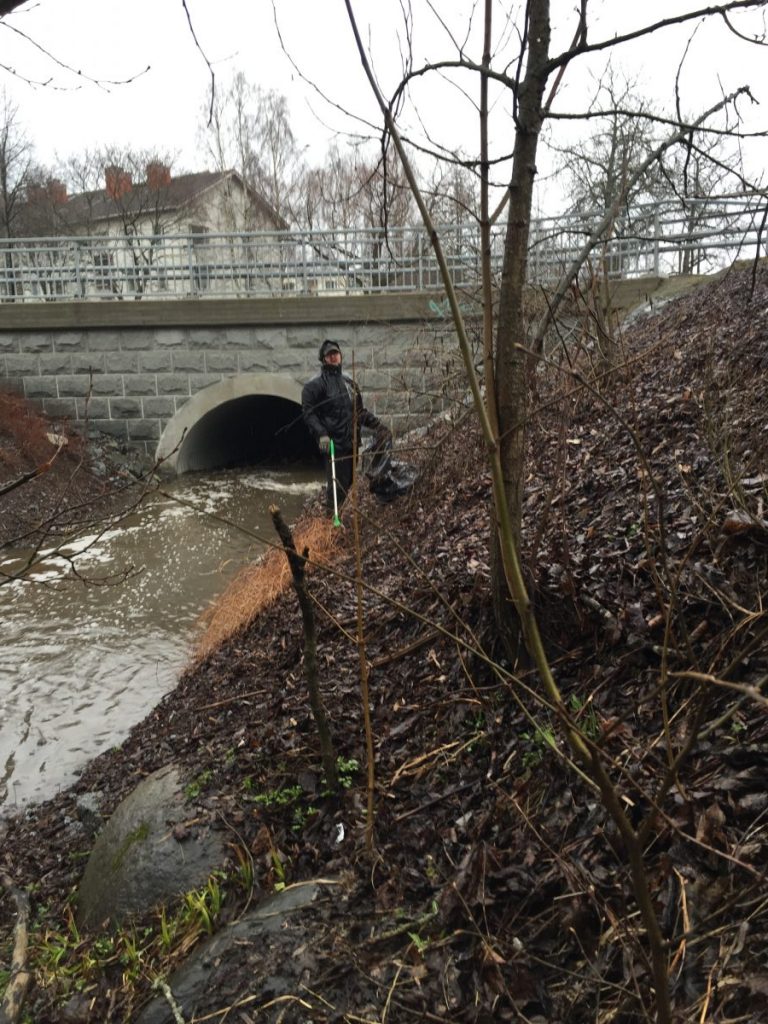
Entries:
{"x":205,"y":383}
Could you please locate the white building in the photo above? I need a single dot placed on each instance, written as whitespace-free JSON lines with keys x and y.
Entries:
{"x":193,"y":234}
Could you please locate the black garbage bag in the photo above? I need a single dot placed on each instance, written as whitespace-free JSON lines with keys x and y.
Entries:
{"x":387,"y":479}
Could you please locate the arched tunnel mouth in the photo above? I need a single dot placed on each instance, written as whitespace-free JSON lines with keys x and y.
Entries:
{"x":254,"y":430}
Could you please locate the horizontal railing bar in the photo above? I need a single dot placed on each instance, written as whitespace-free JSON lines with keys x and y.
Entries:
{"x":645,"y":239}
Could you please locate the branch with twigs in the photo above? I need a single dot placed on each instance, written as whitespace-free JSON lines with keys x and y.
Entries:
{"x":297,"y":563}
{"x":15,"y":993}
{"x":33,"y":473}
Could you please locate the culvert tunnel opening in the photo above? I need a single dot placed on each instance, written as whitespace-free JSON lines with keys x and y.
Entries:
{"x":255,"y":430}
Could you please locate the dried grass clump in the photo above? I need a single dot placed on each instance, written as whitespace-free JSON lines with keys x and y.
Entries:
{"x":259,"y":584}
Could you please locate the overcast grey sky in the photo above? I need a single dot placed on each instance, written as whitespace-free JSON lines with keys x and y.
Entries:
{"x":160,"y":108}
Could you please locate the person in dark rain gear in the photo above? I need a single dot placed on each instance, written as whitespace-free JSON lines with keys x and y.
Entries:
{"x":330,"y":402}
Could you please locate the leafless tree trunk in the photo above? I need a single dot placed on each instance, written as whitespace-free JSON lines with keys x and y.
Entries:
{"x":511,"y":360}
{"x":297,"y":563}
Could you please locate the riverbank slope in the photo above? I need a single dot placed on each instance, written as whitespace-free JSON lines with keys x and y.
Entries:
{"x":503,"y":880}
{"x":52,"y":481}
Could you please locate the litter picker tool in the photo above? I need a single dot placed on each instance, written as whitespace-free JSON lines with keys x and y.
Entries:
{"x":336,"y":520}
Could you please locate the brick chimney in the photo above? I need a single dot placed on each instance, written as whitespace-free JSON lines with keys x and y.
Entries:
{"x":36,"y":194}
{"x":118,"y":181}
{"x":57,"y":191}
{"x":158,"y":175}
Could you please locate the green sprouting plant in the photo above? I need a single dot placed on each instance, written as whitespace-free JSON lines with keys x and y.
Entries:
{"x":278,"y":797}
{"x":419,"y":924}
{"x":244,"y":868}
{"x":543,"y":738}
{"x":430,"y":870}
{"x":193,"y":789}
{"x":421,"y":944}
{"x":103,"y":947}
{"x":131,"y":956}
{"x":67,"y":962}
{"x":204,"y":905}
{"x":215,"y":892}
{"x":197,"y":911}
{"x":346,"y":768}
{"x":301,"y":816}
{"x":586,"y":717}
{"x":279,"y":868}
{"x":72,"y":928}
{"x":168,"y":928}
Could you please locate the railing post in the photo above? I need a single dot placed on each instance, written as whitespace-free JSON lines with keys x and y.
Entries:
{"x":79,"y":284}
{"x":656,"y":242}
{"x":192,"y":284}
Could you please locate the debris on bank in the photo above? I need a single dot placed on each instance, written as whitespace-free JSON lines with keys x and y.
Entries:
{"x":498,"y":887}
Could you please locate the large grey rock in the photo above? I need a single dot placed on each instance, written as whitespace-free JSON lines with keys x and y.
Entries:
{"x":137,"y":862}
{"x":264,"y":947}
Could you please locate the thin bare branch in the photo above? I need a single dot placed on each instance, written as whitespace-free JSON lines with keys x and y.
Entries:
{"x":647,"y":30}
{"x":598,"y":232}
{"x":202,"y":54}
{"x":102,"y":83}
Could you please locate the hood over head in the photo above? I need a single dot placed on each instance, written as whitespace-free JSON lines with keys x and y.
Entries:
{"x":329,"y":346}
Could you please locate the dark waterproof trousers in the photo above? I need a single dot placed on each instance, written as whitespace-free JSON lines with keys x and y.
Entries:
{"x":344,"y":475}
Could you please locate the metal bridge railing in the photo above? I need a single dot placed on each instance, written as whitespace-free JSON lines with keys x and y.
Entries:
{"x":691,"y":237}
{"x":682,"y":237}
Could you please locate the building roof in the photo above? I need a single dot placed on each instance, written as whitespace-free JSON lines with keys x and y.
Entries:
{"x":142,"y":199}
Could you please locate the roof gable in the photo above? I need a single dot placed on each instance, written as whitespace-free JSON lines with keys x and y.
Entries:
{"x":141,"y":199}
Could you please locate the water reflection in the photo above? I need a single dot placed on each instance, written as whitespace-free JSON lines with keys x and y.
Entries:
{"x":82,"y":663}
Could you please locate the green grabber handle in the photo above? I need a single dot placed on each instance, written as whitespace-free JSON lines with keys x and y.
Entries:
{"x":336,"y":520}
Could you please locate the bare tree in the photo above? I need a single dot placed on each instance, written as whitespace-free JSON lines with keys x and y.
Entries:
{"x":596,"y":168}
{"x":623,"y":128}
{"x":356,"y":188}
{"x":453,"y":193}
{"x":248,"y":129}
{"x":29,"y":194}
{"x":503,"y":407}
{"x":704,"y":168}
{"x":526,"y":77}
{"x":16,"y":165}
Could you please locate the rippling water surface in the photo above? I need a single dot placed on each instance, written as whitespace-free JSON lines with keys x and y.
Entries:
{"x":82,"y":663}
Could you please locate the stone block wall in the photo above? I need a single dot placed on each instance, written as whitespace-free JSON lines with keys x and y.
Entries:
{"x":129,"y":381}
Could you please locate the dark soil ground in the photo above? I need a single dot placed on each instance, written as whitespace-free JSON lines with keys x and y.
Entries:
{"x":500,"y":887}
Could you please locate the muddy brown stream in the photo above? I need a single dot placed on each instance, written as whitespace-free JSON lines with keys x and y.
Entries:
{"x":81,"y":662}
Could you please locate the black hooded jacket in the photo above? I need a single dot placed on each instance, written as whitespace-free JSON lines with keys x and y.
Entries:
{"x":327,"y":402}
